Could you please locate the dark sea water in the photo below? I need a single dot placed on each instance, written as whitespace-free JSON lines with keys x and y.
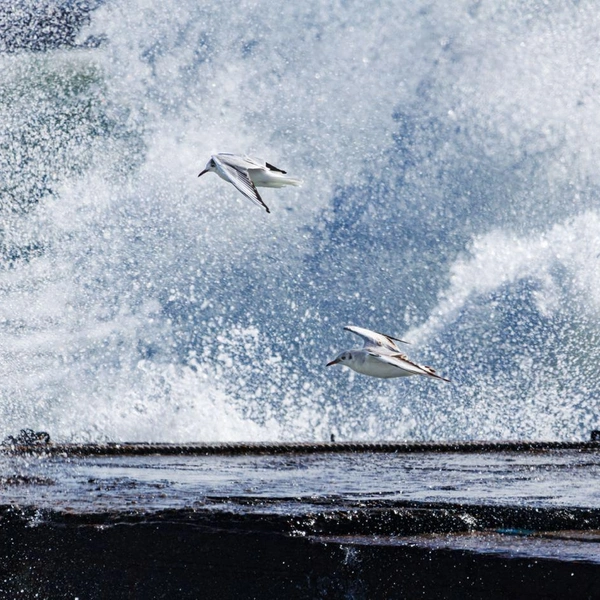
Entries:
{"x":451,"y":197}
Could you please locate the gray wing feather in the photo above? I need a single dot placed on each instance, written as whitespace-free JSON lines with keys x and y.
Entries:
{"x":241,"y":162}
{"x":248,"y":162}
{"x":402,"y":362}
{"x":374,"y":339}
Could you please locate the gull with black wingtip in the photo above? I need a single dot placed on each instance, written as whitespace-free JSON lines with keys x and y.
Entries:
{"x":247,"y":173}
{"x":380,"y":356}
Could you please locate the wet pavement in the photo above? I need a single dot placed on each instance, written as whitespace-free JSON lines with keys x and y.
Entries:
{"x":296,"y":483}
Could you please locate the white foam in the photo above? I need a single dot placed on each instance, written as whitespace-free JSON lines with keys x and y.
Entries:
{"x":500,"y":258}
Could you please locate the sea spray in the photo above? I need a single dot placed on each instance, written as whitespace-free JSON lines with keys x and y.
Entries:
{"x":450,"y":197}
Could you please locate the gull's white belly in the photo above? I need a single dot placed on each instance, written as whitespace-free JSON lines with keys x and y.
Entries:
{"x":262,"y":178}
{"x":375,"y":368}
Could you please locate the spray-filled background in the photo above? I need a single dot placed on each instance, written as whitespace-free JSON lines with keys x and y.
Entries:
{"x":451,"y":197}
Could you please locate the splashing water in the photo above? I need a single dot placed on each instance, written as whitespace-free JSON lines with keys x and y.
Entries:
{"x":450,"y":197}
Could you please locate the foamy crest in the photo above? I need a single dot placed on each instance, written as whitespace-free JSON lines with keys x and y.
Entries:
{"x":517,"y":327}
{"x":499,"y":258}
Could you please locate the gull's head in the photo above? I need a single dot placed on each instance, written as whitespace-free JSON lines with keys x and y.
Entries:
{"x":210,"y":166}
{"x":341,"y":358}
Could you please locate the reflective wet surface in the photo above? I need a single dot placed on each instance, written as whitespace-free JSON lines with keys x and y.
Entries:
{"x":296,"y":484}
{"x":566,"y":546}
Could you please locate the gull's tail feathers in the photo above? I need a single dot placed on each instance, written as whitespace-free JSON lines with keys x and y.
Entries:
{"x":291,"y":181}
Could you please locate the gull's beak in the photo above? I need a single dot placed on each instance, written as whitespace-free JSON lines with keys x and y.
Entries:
{"x":205,"y":171}
{"x":333,"y":362}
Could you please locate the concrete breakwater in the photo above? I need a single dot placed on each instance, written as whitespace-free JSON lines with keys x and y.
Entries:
{"x":520,"y":521}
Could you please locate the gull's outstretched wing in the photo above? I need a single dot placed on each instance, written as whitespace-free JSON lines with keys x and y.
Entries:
{"x":372,"y":339}
{"x":240,"y":161}
{"x":248,"y":162}
{"x":235,"y":170}
{"x":402,"y":362}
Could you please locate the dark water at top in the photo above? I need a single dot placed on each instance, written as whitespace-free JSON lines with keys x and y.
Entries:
{"x":451,"y":198}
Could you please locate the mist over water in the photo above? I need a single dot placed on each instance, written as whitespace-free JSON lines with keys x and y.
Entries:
{"x":451,"y":197}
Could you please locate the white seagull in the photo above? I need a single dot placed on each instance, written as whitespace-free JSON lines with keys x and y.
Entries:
{"x":247,"y":173}
{"x":380,"y":356}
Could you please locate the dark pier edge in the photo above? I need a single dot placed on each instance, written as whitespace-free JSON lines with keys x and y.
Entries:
{"x":268,"y":448}
{"x":348,"y":553}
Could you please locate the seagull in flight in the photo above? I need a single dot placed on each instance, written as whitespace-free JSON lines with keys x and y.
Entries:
{"x":380,"y":356}
{"x":247,"y":173}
